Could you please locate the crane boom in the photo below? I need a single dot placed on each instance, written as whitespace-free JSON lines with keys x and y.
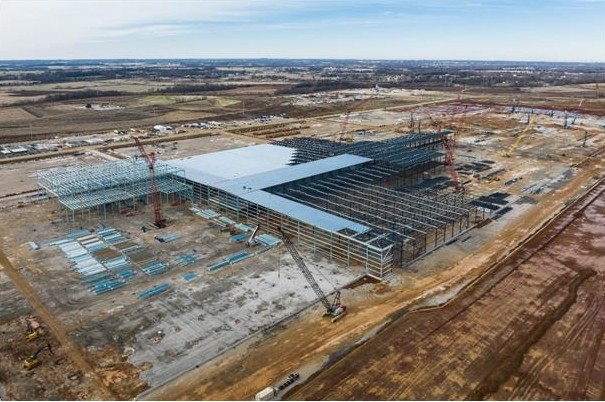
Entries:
{"x":335,"y":308}
{"x":159,"y":220}
{"x":305,"y":270}
{"x":450,"y":146}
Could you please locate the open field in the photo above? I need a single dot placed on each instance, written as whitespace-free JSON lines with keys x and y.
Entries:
{"x":427,"y":332}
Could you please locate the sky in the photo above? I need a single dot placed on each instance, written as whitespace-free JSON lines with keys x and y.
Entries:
{"x":516,"y":30}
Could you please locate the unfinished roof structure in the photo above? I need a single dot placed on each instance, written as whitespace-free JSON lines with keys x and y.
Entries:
{"x":108,"y":187}
{"x":370,"y":203}
{"x":361,"y":203}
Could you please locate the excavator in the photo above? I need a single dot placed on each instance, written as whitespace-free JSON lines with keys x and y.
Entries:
{"x":32,"y":360}
{"x":34,"y":329}
{"x":336,"y":310}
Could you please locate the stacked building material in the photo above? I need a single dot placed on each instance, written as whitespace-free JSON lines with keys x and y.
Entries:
{"x":238,"y":238}
{"x":154,"y":291}
{"x":186,"y":259}
{"x":107,"y":285}
{"x":267,"y":240}
{"x":168,"y":237}
{"x":189,"y":276}
{"x":154,"y":268}
{"x":205,"y":213}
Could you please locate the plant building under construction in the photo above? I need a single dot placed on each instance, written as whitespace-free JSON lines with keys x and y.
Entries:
{"x":376,"y":204}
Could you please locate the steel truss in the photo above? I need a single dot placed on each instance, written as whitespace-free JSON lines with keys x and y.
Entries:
{"x":105,"y":185}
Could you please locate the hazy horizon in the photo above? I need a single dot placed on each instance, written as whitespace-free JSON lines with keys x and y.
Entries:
{"x":303,"y":59}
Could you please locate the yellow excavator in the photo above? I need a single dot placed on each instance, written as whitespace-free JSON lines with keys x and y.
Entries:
{"x":34,"y":329}
{"x":32,"y":360}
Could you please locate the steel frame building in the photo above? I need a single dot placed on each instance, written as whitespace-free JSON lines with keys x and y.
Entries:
{"x":105,"y":187}
{"x":353,"y":203}
{"x":364,"y":203}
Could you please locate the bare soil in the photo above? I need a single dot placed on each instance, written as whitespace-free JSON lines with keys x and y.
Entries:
{"x":511,"y":335}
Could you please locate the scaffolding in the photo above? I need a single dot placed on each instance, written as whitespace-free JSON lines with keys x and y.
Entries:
{"x":109,"y":186}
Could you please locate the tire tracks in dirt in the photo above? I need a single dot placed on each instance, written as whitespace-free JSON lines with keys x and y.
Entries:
{"x":55,"y":327}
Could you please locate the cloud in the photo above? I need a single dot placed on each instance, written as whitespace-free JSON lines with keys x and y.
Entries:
{"x":161,"y":28}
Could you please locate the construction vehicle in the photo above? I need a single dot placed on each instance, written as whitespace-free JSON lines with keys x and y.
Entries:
{"x":449,"y":144}
{"x":34,"y":329}
{"x":32,"y":360}
{"x":250,"y":241}
{"x":336,"y":310}
{"x":520,"y":137}
{"x":159,"y":220}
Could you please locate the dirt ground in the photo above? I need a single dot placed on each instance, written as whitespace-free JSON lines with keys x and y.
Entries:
{"x":308,"y":344}
{"x":231,"y":333}
{"x":531,"y":329}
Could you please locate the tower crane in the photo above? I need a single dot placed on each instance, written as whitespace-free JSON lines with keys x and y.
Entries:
{"x":335,"y":309}
{"x":344,"y":134}
{"x":159,"y":220}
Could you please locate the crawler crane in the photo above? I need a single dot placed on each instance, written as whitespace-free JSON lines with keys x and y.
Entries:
{"x":34,"y":329}
{"x":159,"y":220}
{"x":449,"y":144}
{"x":335,"y":309}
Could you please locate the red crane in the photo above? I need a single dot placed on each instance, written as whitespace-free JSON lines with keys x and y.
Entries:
{"x":450,"y":145}
{"x":159,"y":220}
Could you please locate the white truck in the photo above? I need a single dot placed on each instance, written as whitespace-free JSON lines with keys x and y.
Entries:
{"x":266,"y":394}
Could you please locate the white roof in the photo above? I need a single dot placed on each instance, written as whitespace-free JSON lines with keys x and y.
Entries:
{"x":312,"y":216}
{"x":245,"y":172}
{"x":235,"y":163}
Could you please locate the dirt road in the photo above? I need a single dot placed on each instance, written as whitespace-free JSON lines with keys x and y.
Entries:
{"x":53,"y":325}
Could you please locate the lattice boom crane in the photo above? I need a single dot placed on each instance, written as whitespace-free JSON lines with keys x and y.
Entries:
{"x":334,"y":309}
{"x":159,"y":220}
{"x":450,"y":146}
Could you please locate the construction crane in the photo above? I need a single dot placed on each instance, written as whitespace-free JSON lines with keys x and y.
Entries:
{"x":32,"y":360}
{"x":449,"y":144}
{"x":335,"y":309}
{"x":251,"y":240}
{"x":159,"y":220}
{"x":520,"y":137}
